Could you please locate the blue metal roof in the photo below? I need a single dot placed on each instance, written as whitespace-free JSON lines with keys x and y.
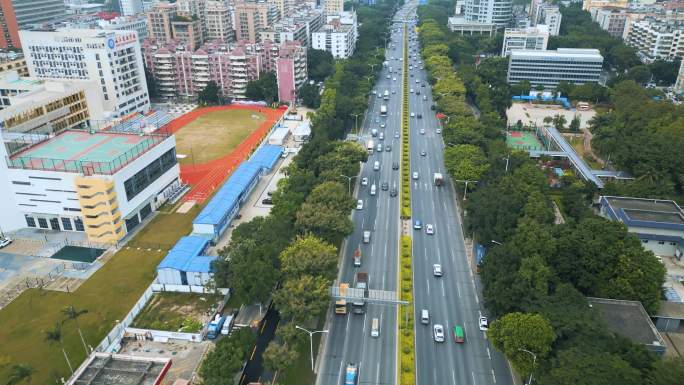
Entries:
{"x":185,"y":256}
{"x":266,"y":156}
{"x":229,"y":194}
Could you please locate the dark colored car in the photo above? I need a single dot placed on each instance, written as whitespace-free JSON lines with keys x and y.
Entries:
{"x":395,"y":166}
{"x":267,"y":201}
{"x":384,"y":186}
{"x":432,"y":107}
{"x":393,"y":192}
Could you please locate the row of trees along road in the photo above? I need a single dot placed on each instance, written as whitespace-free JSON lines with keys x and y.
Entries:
{"x":291,"y":255}
{"x":536,"y":279}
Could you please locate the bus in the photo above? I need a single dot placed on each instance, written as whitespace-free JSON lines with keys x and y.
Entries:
{"x":351,"y":374}
{"x":383,"y":110}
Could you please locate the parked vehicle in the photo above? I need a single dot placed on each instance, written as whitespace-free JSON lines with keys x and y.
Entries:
{"x":215,"y":326}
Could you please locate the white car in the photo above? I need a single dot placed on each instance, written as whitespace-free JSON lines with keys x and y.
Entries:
{"x":484,"y":324}
{"x":438,"y":333}
{"x":387,"y":77}
{"x":437,"y":270}
{"x":439,"y":131}
{"x":411,"y":90}
{"x":415,"y":175}
{"x":429,"y":229}
{"x":382,"y":125}
{"x":364,"y":181}
{"x":396,"y":134}
{"x":4,"y":242}
{"x":359,"y":204}
{"x":422,"y":131}
{"x":394,"y":79}
{"x":413,"y":114}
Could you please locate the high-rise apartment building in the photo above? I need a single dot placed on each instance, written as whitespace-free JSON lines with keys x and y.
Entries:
{"x":35,"y":12}
{"x":252,"y":17}
{"x":9,"y":27}
{"x":588,"y":5}
{"x":548,"y":68}
{"x":612,"y":20}
{"x":131,"y":7}
{"x":532,"y":38}
{"x":551,"y":16}
{"x":300,"y":27}
{"x":111,"y":59}
{"x":679,"y":84}
{"x":499,"y":12}
{"x":187,"y":30}
{"x":333,"y":6}
{"x":654,"y":39}
{"x":218,"y":22}
{"x":125,"y":23}
{"x":159,"y":20}
{"x":291,"y":71}
{"x":338,"y":36}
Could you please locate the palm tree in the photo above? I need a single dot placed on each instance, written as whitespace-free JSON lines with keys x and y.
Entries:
{"x":55,"y":335}
{"x":19,"y":373}
{"x":72,"y":314}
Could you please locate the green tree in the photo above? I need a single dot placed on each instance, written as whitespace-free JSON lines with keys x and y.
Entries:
{"x":320,"y":64}
{"x":251,"y":276}
{"x":279,"y":357}
{"x":667,"y":371}
{"x":559,"y":121}
{"x":575,"y":124}
{"x":210,"y":95}
{"x":465,"y":162}
{"x":575,"y":366}
{"x":309,"y":255}
{"x":55,"y":336}
{"x":325,"y":213}
{"x":227,"y":358}
{"x":303,"y":299}
{"x":517,"y":331}
{"x":640,"y":74}
{"x":309,"y":93}
{"x":20,"y":373}
{"x":664,"y":72}
{"x":265,"y":88}
{"x":71,"y":313}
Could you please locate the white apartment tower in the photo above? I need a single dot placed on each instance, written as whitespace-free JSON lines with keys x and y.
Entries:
{"x":532,"y":38}
{"x":499,"y":12}
{"x":131,"y":7}
{"x":218,"y":22}
{"x":551,"y":16}
{"x":110,"y":58}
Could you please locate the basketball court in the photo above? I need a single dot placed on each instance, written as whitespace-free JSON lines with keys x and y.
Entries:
{"x":523,"y":140}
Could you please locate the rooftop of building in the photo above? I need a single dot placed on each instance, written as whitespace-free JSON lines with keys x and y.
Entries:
{"x":538,"y":29}
{"x":574,"y":53}
{"x":654,"y":212}
{"x":628,"y":319}
{"x":186,"y":256}
{"x":116,"y":369}
{"x":461,"y":20}
{"x":89,"y":152}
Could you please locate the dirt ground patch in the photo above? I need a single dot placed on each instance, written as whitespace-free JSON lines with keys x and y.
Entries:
{"x":184,"y":312}
{"x":215,"y":134}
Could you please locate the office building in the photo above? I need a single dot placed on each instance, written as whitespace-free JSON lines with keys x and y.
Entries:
{"x":252,"y":18}
{"x":29,"y":13}
{"x":532,"y":38}
{"x":499,"y":12}
{"x":159,"y":20}
{"x":123,"y":23}
{"x":338,"y":36}
{"x":131,"y":7}
{"x":548,"y":68}
{"x":332,"y":7}
{"x":12,"y":61}
{"x":183,"y":73}
{"x":218,"y":22}
{"x":654,"y":39}
{"x":298,"y":27}
{"x":9,"y":27}
{"x":291,"y":70}
{"x":110,"y":58}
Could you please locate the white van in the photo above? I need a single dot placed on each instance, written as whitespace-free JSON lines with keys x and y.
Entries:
{"x":376,"y":166}
{"x":424,"y":317}
{"x":372,"y":190}
{"x":375,"y":328}
{"x":366,"y":237}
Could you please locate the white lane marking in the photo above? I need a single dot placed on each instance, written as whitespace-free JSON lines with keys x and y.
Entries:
{"x":477,"y":299}
{"x":473,"y":373}
{"x":488,"y":353}
{"x":443,"y":291}
{"x":428,"y":286}
{"x":458,"y":289}
{"x":453,"y":376}
{"x":493,"y":376}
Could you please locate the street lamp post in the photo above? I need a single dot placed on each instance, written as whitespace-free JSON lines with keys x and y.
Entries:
{"x":534,"y":362}
{"x":311,"y":333}
{"x":349,"y":179}
{"x":356,"y":123}
{"x":465,"y":190}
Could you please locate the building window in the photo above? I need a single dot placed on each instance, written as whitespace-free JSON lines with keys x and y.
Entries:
{"x":42,"y":223}
{"x":145,"y":177}
{"x":30,"y":221}
{"x":78,"y":224}
{"x":66,"y":224}
{"x":661,"y":242}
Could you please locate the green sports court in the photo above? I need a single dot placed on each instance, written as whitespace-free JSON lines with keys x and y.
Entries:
{"x":71,"y":150}
{"x":523,"y":140}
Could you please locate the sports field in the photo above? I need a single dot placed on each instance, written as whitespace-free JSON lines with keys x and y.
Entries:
{"x":523,"y":140}
{"x":215,"y":134}
{"x":107,"y":296}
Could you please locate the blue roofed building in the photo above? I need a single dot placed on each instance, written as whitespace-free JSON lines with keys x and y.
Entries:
{"x":659,"y":224}
{"x":213,"y":220}
{"x":266,"y":157}
{"x":185,"y":264}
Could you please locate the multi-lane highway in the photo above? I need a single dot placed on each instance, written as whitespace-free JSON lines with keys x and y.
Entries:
{"x":453,"y":298}
{"x":349,"y":339}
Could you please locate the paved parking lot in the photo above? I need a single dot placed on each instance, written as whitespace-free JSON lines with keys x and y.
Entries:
{"x":530,"y":114}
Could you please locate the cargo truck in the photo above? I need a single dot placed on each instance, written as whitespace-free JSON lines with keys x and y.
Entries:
{"x":341,"y":304}
{"x":215,"y":326}
{"x":359,"y":304}
{"x":438,"y":178}
{"x":370,"y":146}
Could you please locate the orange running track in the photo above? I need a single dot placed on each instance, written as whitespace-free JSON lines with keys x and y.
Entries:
{"x":206,"y":177}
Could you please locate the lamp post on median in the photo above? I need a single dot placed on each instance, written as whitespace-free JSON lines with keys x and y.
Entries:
{"x":534,"y":362}
{"x":349,"y":179}
{"x":311,"y":333}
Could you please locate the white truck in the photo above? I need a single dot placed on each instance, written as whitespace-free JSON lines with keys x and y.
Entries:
{"x":370,"y":146}
{"x":438,"y":178}
{"x":383,"y":110}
